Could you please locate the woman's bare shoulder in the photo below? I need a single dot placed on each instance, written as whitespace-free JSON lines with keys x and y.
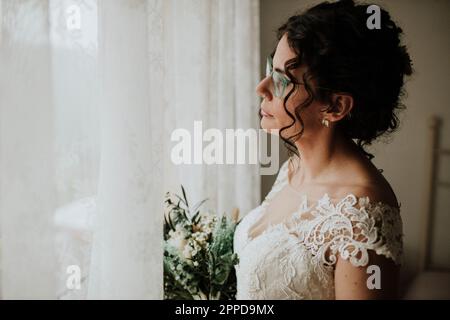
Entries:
{"x":367,"y":183}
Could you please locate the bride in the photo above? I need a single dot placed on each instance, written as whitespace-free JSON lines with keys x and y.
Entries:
{"x":330,"y":228}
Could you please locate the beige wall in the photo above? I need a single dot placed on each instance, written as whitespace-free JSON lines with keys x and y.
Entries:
{"x":404,"y":160}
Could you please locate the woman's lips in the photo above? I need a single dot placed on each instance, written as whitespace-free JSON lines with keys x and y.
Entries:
{"x":265,"y":114}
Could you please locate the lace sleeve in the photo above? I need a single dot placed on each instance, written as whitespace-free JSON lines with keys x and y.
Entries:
{"x":353,"y":227}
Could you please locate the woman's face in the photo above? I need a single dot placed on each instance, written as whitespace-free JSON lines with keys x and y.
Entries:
{"x":274,"y":116}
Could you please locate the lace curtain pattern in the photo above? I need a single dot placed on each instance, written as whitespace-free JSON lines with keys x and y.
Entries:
{"x":91,"y":91}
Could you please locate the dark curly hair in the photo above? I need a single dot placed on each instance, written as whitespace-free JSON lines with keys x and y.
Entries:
{"x":343,"y":55}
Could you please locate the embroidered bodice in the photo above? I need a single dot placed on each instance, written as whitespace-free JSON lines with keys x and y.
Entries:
{"x":295,"y":259}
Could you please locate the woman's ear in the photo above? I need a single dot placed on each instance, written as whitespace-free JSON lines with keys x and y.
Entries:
{"x":342,"y":105}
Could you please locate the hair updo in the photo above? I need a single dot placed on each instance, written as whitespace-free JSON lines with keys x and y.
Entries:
{"x":343,"y":55}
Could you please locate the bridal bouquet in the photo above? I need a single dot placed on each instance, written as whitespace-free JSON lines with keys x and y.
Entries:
{"x":198,"y":252}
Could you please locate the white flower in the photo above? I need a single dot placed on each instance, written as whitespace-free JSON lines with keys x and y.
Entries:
{"x":177,"y":239}
{"x":200,"y":238}
{"x":187,"y":251}
{"x":207,"y":230}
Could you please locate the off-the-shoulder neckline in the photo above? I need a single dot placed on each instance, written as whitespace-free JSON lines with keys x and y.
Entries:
{"x":306,"y":206}
{"x":355,"y":201}
{"x":324,"y":202}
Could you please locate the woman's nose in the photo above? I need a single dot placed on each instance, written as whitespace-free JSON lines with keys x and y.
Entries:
{"x":263,"y":89}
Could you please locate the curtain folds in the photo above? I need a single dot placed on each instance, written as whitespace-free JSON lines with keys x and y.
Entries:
{"x":90,"y":93}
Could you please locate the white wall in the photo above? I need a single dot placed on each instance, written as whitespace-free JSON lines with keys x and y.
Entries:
{"x":404,"y":160}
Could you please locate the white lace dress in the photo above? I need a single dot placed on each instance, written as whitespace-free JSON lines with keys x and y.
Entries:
{"x":295,"y":259}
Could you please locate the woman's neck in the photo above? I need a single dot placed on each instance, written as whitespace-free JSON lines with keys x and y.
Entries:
{"x":325,"y":154}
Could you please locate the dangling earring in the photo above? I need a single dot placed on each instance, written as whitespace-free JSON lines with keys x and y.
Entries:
{"x":326,"y":122}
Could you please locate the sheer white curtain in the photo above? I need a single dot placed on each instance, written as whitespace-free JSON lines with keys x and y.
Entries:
{"x":213,"y":67}
{"x":90,"y":93}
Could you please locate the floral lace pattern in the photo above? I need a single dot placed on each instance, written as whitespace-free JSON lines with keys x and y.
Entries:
{"x":295,"y":260}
